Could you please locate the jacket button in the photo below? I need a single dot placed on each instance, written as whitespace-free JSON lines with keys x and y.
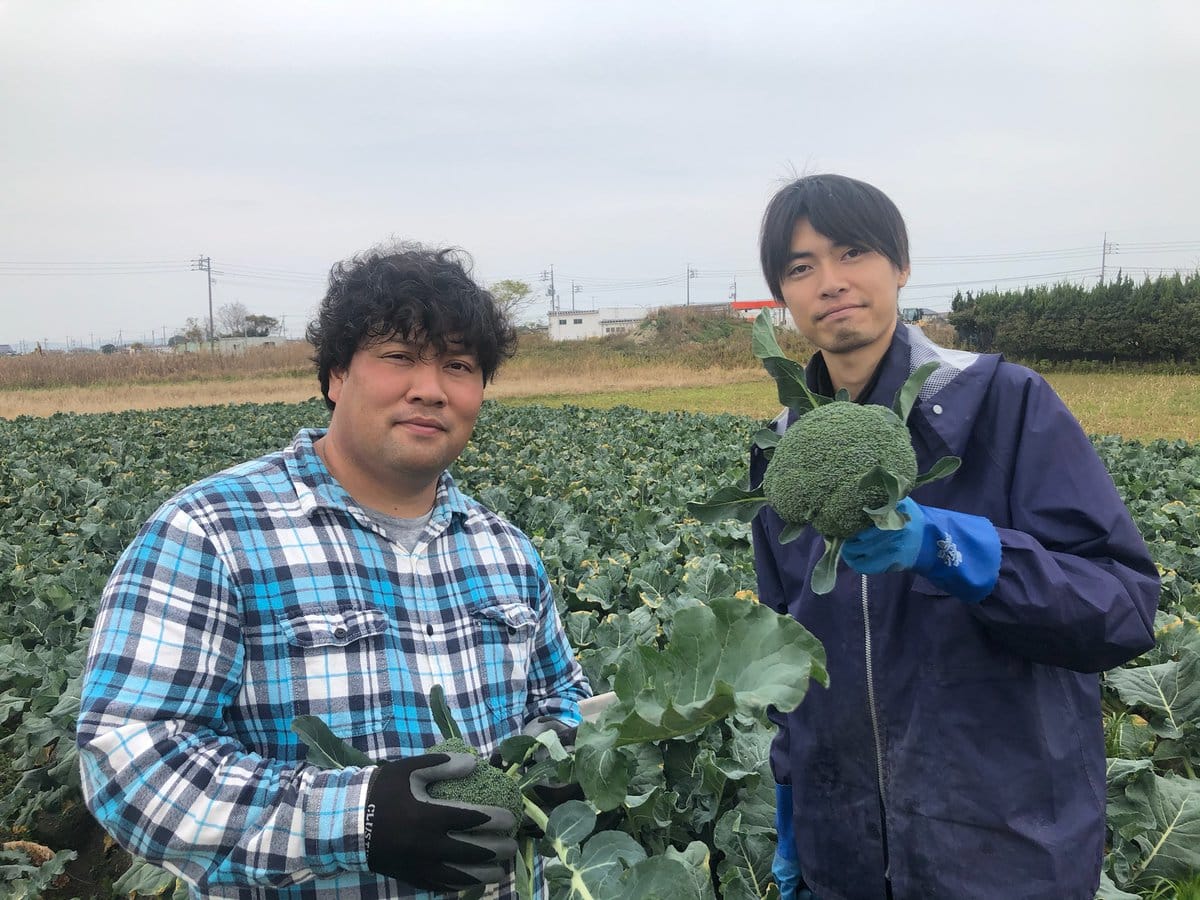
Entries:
{"x":937,"y":409}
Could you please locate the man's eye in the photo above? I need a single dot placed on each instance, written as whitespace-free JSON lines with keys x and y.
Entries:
{"x":798,"y":269}
{"x":855,"y":252}
{"x":460,"y":366}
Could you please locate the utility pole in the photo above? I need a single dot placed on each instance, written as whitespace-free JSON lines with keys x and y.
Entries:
{"x":1105,"y":249}
{"x":549,"y":276}
{"x":204,"y":264}
{"x":575,"y":289}
{"x":691,"y":273}
{"x":733,"y":290}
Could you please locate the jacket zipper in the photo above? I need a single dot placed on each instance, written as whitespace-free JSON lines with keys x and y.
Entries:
{"x":875,"y":730}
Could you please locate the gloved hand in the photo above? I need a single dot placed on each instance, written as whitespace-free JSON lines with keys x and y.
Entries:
{"x":439,"y":845}
{"x":960,"y":553}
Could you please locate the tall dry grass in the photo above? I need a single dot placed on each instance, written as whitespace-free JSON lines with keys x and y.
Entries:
{"x":58,"y":370}
{"x":510,"y":385}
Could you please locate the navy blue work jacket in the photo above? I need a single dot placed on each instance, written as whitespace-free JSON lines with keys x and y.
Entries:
{"x":958,"y":750}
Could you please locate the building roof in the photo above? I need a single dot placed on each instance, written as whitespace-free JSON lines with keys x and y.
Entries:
{"x":752,"y":304}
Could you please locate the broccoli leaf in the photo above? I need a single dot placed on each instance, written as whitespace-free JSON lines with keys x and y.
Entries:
{"x":906,"y":397}
{"x":788,"y":375}
{"x":442,"y":715}
{"x":729,"y":502}
{"x":824,"y":574}
{"x":767,"y":438}
{"x":326,"y":749}
{"x":1155,"y":824}
{"x":947,"y":465}
{"x":1168,"y":693}
{"x":789,"y":382}
{"x":762,"y":337}
{"x":790,"y":532}
{"x":897,"y":488}
{"x":730,"y":657}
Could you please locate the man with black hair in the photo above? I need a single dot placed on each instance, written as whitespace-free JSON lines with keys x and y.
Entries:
{"x":342,"y":577}
{"x":958,"y":750}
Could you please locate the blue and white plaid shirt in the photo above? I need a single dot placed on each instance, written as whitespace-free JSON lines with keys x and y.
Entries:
{"x":264,"y":593}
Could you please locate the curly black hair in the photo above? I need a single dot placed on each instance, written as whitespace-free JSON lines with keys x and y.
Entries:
{"x":407,"y":292}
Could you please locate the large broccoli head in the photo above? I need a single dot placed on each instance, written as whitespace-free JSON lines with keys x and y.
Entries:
{"x":486,"y":785}
{"x":814,"y":473}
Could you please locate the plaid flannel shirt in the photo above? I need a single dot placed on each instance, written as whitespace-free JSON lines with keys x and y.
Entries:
{"x":264,"y":593}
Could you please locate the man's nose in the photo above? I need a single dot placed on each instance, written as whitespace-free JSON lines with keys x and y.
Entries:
{"x":833,"y":280}
{"x":426,"y":385}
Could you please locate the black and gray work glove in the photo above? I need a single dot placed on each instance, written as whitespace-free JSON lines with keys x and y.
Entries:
{"x":439,"y":845}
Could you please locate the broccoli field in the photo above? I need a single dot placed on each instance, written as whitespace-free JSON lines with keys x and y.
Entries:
{"x":603,"y":495}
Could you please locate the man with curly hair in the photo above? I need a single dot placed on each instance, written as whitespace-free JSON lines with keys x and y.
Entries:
{"x":342,"y":577}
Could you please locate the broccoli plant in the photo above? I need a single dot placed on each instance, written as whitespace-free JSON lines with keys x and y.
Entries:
{"x":723,"y":664}
{"x":841,"y":466}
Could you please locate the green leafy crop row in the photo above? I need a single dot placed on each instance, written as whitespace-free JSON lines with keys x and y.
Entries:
{"x":603,"y":495}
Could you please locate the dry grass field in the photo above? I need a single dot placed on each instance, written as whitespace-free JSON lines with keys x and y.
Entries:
{"x":699,"y":364}
{"x":1141,"y":407}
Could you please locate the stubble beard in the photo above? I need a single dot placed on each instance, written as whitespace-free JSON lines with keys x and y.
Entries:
{"x":848,"y":340}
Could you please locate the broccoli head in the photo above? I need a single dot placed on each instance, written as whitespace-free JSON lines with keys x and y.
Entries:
{"x":813,"y":475}
{"x":486,"y":785}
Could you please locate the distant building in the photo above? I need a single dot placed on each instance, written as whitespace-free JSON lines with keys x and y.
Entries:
{"x":578,"y":324}
{"x":227,"y":345}
{"x":749,"y":309}
{"x":7,"y":350}
{"x":914,"y":314}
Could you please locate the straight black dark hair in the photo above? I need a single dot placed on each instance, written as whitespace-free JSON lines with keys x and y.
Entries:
{"x":407,"y":292}
{"x":848,"y":212}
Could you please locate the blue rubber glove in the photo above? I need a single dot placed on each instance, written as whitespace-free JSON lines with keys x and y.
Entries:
{"x":960,"y":553}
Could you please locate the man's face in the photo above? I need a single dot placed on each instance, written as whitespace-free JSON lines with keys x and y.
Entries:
{"x":403,"y":414}
{"x":843,"y":299}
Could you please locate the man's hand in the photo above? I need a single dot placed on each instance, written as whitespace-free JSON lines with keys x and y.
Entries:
{"x":960,"y":553}
{"x":439,"y":845}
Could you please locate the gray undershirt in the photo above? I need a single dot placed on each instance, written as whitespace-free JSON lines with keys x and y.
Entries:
{"x":404,"y":532}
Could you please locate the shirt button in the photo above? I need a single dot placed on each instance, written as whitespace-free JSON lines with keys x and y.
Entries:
{"x":937,"y":409}
{"x":340,"y":632}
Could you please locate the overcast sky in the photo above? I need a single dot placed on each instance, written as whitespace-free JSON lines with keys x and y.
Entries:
{"x":618,"y":142}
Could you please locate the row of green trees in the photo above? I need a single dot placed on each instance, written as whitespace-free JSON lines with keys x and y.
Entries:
{"x":1154,"y":321}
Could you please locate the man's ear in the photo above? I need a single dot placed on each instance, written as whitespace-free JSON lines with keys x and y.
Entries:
{"x":337,"y":377}
{"x":903,"y":280}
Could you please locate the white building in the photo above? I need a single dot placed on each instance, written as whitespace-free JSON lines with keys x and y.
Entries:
{"x":577,"y":324}
{"x":231,"y":346}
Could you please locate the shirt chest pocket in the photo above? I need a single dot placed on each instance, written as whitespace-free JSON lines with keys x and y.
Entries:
{"x":503,"y":634}
{"x":338,"y":667}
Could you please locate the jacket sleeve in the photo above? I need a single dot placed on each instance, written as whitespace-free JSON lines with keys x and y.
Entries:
{"x":1077,"y":587}
{"x":159,"y":771}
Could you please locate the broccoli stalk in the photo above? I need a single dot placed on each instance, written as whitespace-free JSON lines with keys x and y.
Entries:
{"x":841,"y":467}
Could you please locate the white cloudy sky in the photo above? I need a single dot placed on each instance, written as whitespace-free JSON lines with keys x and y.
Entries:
{"x":619,"y":142}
